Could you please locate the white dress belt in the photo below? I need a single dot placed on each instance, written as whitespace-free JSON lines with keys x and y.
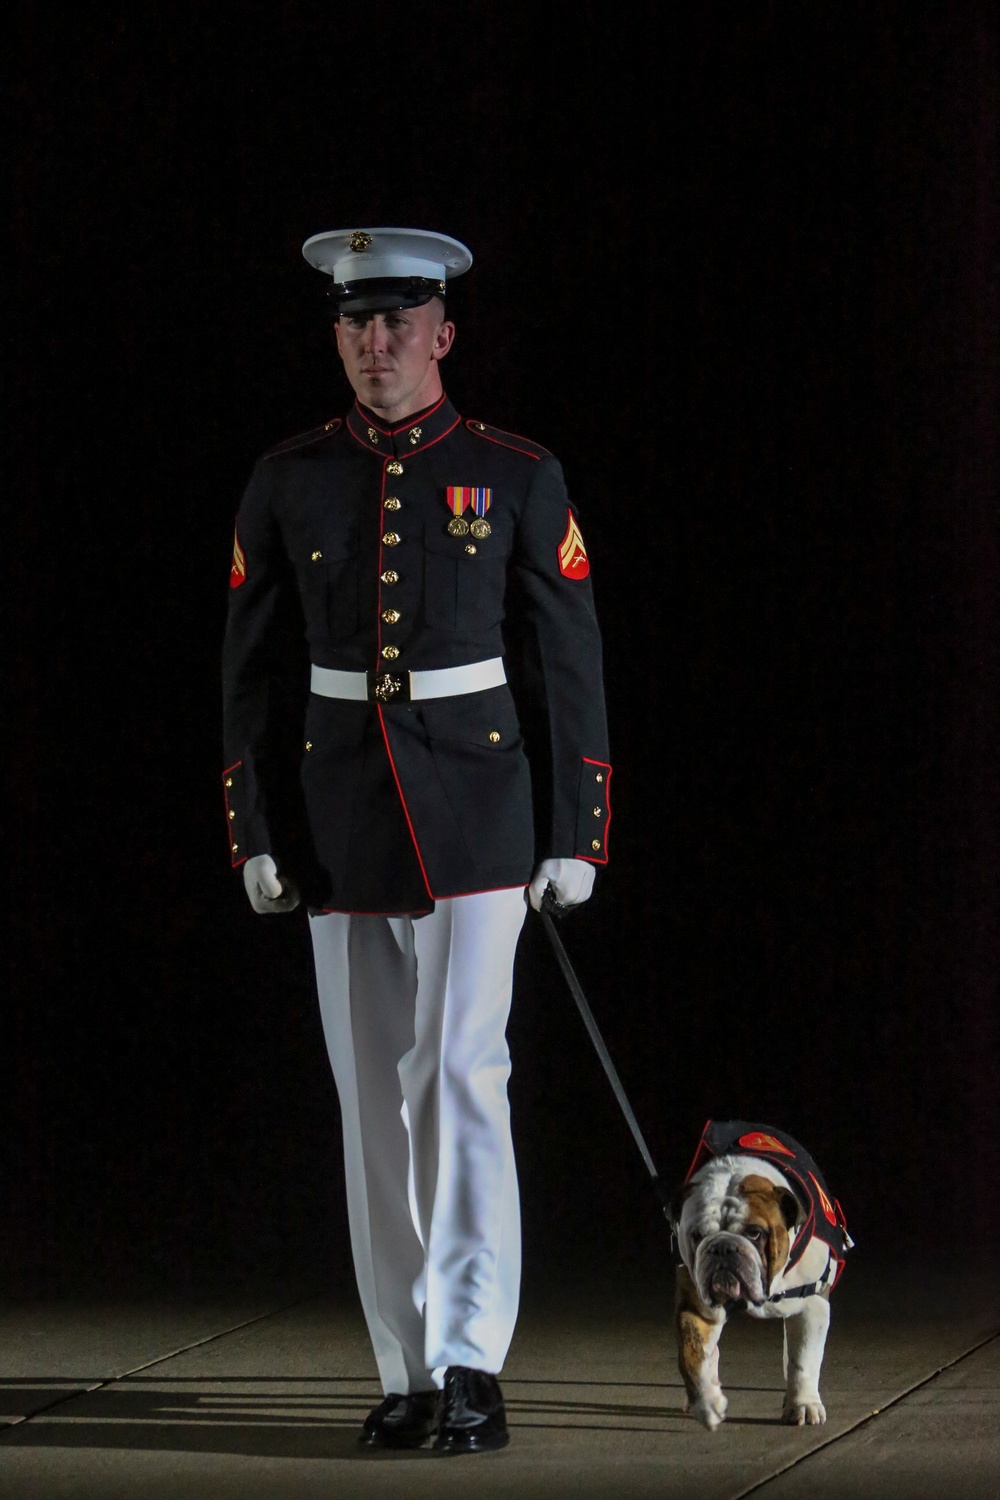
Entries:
{"x":436,"y":682}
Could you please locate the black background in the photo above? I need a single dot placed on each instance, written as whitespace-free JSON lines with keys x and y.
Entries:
{"x":737,"y":267}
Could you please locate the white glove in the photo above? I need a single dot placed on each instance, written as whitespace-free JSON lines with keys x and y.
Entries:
{"x":267,"y":893}
{"x":572,"y":881}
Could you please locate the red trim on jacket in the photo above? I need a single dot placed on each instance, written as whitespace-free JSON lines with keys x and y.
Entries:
{"x":607,"y":802}
{"x":535,"y":451}
{"x":402,"y":800}
{"x":229,"y":821}
{"x":440,"y":438}
{"x":418,"y":416}
{"x":314,"y":435}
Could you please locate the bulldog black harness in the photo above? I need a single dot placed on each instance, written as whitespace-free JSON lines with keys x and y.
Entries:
{"x":824,"y":1216}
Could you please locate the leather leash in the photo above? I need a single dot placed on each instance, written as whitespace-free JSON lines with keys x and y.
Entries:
{"x":551,"y":908}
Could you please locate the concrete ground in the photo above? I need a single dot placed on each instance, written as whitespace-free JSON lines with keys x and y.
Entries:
{"x":259,"y":1398}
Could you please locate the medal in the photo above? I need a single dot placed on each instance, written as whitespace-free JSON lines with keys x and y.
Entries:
{"x":459,"y":497}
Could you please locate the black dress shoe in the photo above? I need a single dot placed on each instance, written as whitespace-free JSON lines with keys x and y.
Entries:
{"x":471,"y":1418}
{"x":400,"y":1421}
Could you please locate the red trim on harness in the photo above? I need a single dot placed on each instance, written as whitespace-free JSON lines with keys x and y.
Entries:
{"x":824,"y":1201}
{"x":756,"y":1140}
{"x":697,"y":1152}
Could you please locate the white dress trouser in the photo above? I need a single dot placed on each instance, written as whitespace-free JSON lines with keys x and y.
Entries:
{"x":415,"y":1015}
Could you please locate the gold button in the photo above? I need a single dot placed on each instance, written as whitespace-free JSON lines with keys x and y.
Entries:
{"x":600,"y":776}
{"x":414,"y":435}
{"x":309,"y":744}
{"x":317,"y":556}
{"x":597,"y":812}
{"x":391,"y":503}
{"x":394,"y":468}
{"x":390,"y":652}
{"x":229,"y":781}
{"x":494,"y":737}
{"x":595,"y":844}
{"x":471,"y":549}
{"x":232,"y":815}
{"x":392,"y":539}
{"x":390,"y":576}
{"x":391,"y":616}
{"x":373,"y":434}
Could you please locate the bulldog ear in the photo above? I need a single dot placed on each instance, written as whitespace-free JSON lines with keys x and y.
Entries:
{"x":791,"y":1209}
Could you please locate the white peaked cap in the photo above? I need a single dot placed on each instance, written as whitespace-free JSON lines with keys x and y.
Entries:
{"x":355,"y":255}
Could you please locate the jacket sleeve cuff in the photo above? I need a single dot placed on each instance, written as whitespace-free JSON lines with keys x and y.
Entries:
{"x":233,"y":792}
{"x":593,"y":812}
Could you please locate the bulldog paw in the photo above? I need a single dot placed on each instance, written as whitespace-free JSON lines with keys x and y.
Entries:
{"x":804,"y":1413}
{"x":709,"y":1410}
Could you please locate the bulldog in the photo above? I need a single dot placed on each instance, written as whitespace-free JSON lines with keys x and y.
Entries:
{"x":755,"y":1230}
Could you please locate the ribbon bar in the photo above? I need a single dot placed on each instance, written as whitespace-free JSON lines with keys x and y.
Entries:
{"x":462,"y":495}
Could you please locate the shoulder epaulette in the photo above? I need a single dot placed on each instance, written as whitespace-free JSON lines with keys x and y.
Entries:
{"x":508,"y":440}
{"x":303,"y":439}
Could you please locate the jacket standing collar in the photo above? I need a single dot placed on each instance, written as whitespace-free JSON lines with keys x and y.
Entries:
{"x":410,"y":436}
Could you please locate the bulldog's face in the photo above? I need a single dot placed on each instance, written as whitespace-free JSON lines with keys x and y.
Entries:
{"x":735,"y":1222}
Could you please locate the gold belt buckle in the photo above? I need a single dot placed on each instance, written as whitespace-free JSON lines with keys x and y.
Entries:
{"x":386,"y":687}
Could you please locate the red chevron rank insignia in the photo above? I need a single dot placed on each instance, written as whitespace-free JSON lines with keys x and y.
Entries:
{"x":758,"y":1141}
{"x":824,"y":1201}
{"x":573,"y":562}
{"x":238,"y":571}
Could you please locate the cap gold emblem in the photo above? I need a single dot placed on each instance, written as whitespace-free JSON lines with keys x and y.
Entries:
{"x":360,"y":242}
{"x":414,"y":435}
{"x":373,"y":435}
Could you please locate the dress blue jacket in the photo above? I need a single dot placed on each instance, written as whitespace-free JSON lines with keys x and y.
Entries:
{"x":343,"y":558}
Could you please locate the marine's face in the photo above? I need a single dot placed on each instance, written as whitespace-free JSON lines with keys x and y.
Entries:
{"x":392,"y":358}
